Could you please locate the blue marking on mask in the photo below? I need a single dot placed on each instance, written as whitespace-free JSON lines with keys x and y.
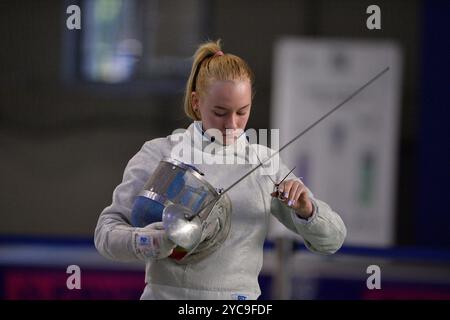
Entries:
{"x":176,"y":186}
{"x":146,"y":211}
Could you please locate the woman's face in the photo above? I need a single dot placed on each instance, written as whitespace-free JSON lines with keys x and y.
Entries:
{"x":225,"y":105}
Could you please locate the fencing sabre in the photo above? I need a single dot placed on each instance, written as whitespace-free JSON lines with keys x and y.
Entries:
{"x":373,"y":79}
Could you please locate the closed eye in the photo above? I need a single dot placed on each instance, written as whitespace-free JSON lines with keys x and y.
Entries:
{"x":224,"y":114}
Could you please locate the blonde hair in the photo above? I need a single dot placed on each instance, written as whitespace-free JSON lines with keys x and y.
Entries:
{"x":210,"y":63}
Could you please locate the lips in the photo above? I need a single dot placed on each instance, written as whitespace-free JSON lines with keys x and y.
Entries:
{"x":233,"y":134}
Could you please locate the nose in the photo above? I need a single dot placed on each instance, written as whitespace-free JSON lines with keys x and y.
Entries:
{"x":231,"y":122}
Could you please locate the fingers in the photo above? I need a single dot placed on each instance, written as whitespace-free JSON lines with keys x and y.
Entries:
{"x":291,"y":199}
{"x":301,"y":190}
{"x":290,"y":192}
{"x":284,"y":189}
{"x":156,"y":226}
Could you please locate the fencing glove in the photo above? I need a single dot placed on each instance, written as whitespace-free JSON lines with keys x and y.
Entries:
{"x":152,"y":242}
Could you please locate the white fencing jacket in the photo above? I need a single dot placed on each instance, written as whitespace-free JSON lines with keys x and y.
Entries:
{"x":232,"y":270}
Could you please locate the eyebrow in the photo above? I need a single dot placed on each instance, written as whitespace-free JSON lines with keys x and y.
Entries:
{"x":223,"y":108}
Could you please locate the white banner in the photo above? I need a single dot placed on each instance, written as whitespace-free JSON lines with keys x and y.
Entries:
{"x":349,"y":159}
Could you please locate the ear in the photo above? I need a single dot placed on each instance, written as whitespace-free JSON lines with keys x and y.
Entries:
{"x":195,"y":104}
{"x":194,"y":98}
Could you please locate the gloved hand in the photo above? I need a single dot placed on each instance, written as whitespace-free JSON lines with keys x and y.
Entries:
{"x":152,"y":242}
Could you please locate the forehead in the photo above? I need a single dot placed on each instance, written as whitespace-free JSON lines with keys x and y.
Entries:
{"x":229,"y":92}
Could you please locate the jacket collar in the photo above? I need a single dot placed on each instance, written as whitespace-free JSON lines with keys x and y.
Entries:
{"x":201,"y":140}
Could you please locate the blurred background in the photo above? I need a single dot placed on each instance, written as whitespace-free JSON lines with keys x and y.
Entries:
{"x":76,"y":105}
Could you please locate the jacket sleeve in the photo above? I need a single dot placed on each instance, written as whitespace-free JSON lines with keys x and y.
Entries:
{"x":324,"y":232}
{"x":114,"y":235}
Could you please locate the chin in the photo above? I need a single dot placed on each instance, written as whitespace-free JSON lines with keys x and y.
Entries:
{"x":229,"y":140}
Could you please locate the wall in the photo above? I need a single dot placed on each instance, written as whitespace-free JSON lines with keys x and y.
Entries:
{"x":64,"y":146}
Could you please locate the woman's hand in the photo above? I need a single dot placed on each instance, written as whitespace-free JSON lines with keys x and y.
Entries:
{"x":294,"y":194}
{"x":152,"y":242}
